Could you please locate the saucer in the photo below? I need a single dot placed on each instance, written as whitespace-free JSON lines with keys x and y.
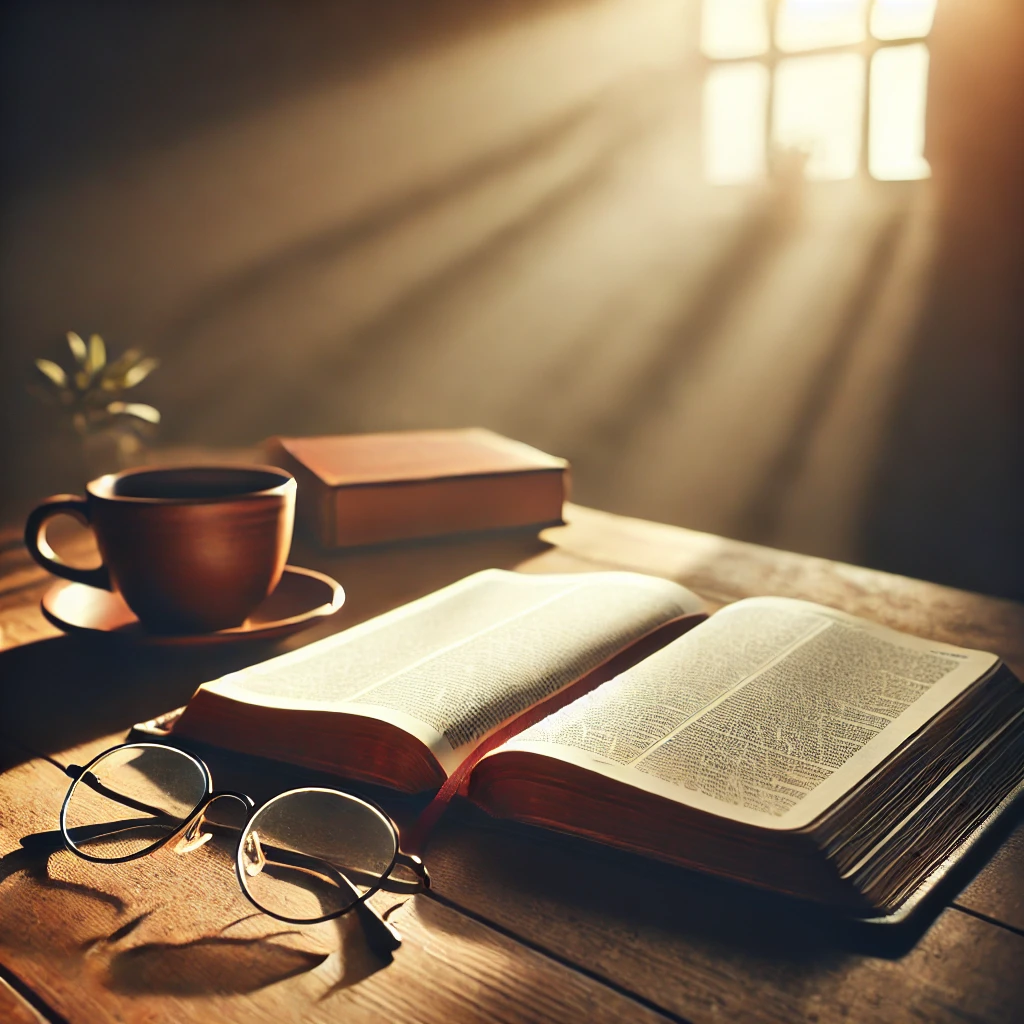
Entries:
{"x":301,"y":597}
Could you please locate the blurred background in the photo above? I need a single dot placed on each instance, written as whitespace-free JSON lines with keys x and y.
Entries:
{"x":753,"y":266}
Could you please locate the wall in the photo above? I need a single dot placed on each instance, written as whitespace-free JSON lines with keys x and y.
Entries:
{"x":330,"y":217}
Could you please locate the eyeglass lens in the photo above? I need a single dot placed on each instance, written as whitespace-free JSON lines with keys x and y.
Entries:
{"x":305,"y":855}
{"x":311,"y":853}
{"x":131,"y":799}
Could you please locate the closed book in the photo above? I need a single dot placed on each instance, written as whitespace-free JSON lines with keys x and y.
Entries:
{"x":359,"y":489}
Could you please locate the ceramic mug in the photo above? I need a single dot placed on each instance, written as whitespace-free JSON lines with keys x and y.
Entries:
{"x":190,"y":549}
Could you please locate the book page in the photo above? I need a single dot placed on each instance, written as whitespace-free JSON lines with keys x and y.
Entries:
{"x":767,"y":713}
{"x":453,"y":667}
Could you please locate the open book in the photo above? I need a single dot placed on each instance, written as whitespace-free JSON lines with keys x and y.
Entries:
{"x":779,"y":742}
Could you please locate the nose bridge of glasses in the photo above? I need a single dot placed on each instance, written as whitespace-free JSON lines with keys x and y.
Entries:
{"x":193,"y":835}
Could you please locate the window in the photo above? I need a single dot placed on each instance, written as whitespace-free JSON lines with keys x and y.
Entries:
{"x":836,"y":86}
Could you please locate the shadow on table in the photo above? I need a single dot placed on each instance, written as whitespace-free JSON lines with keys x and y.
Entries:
{"x":205,"y":964}
{"x":208,"y":965}
{"x":63,"y":691}
{"x":546,"y":887}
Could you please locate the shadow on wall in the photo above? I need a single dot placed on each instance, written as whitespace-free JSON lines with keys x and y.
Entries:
{"x":948,"y":489}
{"x":252,"y":195}
{"x":342,"y":217}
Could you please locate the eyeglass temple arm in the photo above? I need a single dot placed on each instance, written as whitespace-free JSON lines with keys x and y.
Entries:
{"x":383,"y":937}
{"x":388,"y":884}
{"x":191,"y":827}
{"x":409,"y":860}
{"x":79,"y":774}
{"x":54,"y":840}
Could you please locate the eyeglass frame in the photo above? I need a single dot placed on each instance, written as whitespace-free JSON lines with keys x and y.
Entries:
{"x":194,"y":820}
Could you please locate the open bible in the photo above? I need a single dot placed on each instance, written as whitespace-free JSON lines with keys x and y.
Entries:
{"x":778,"y":742}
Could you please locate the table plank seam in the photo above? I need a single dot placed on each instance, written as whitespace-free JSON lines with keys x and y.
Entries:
{"x":987,"y":919}
{"x":549,"y":954}
{"x":31,"y":996}
{"x":608,"y":950}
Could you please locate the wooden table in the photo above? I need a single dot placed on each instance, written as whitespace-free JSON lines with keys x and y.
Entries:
{"x":520,"y":926}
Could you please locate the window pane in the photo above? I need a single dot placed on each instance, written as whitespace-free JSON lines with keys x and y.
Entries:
{"x":899,"y":92}
{"x":819,"y":104}
{"x":733,"y":28}
{"x":735,"y":122}
{"x":813,"y":24}
{"x":902,"y":19}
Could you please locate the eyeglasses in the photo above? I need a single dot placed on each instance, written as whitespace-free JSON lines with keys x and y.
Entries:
{"x":305,"y":856}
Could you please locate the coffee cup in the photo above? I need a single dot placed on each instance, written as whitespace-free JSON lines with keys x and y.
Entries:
{"x":190,"y":549}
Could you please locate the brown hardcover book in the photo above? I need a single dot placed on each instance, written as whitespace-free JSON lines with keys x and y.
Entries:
{"x":778,"y":742}
{"x":360,"y":489}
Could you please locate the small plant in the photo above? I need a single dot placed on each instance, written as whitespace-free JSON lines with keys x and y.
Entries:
{"x":90,"y":394}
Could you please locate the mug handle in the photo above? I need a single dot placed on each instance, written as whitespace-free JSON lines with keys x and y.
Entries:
{"x":39,"y":548}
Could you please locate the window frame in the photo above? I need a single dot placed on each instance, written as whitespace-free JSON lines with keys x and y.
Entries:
{"x":773,"y":56}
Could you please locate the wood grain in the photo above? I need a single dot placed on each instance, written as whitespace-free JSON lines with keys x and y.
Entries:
{"x":707,"y":950}
{"x":171,"y":938}
{"x":599,"y":924}
{"x":998,"y":890}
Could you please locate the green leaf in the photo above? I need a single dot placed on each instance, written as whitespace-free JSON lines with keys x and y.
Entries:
{"x":78,"y":349}
{"x":53,"y":371}
{"x":97,"y":357}
{"x":138,"y":373}
{"x":119,"y":367}
{"x":137,"y":409}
